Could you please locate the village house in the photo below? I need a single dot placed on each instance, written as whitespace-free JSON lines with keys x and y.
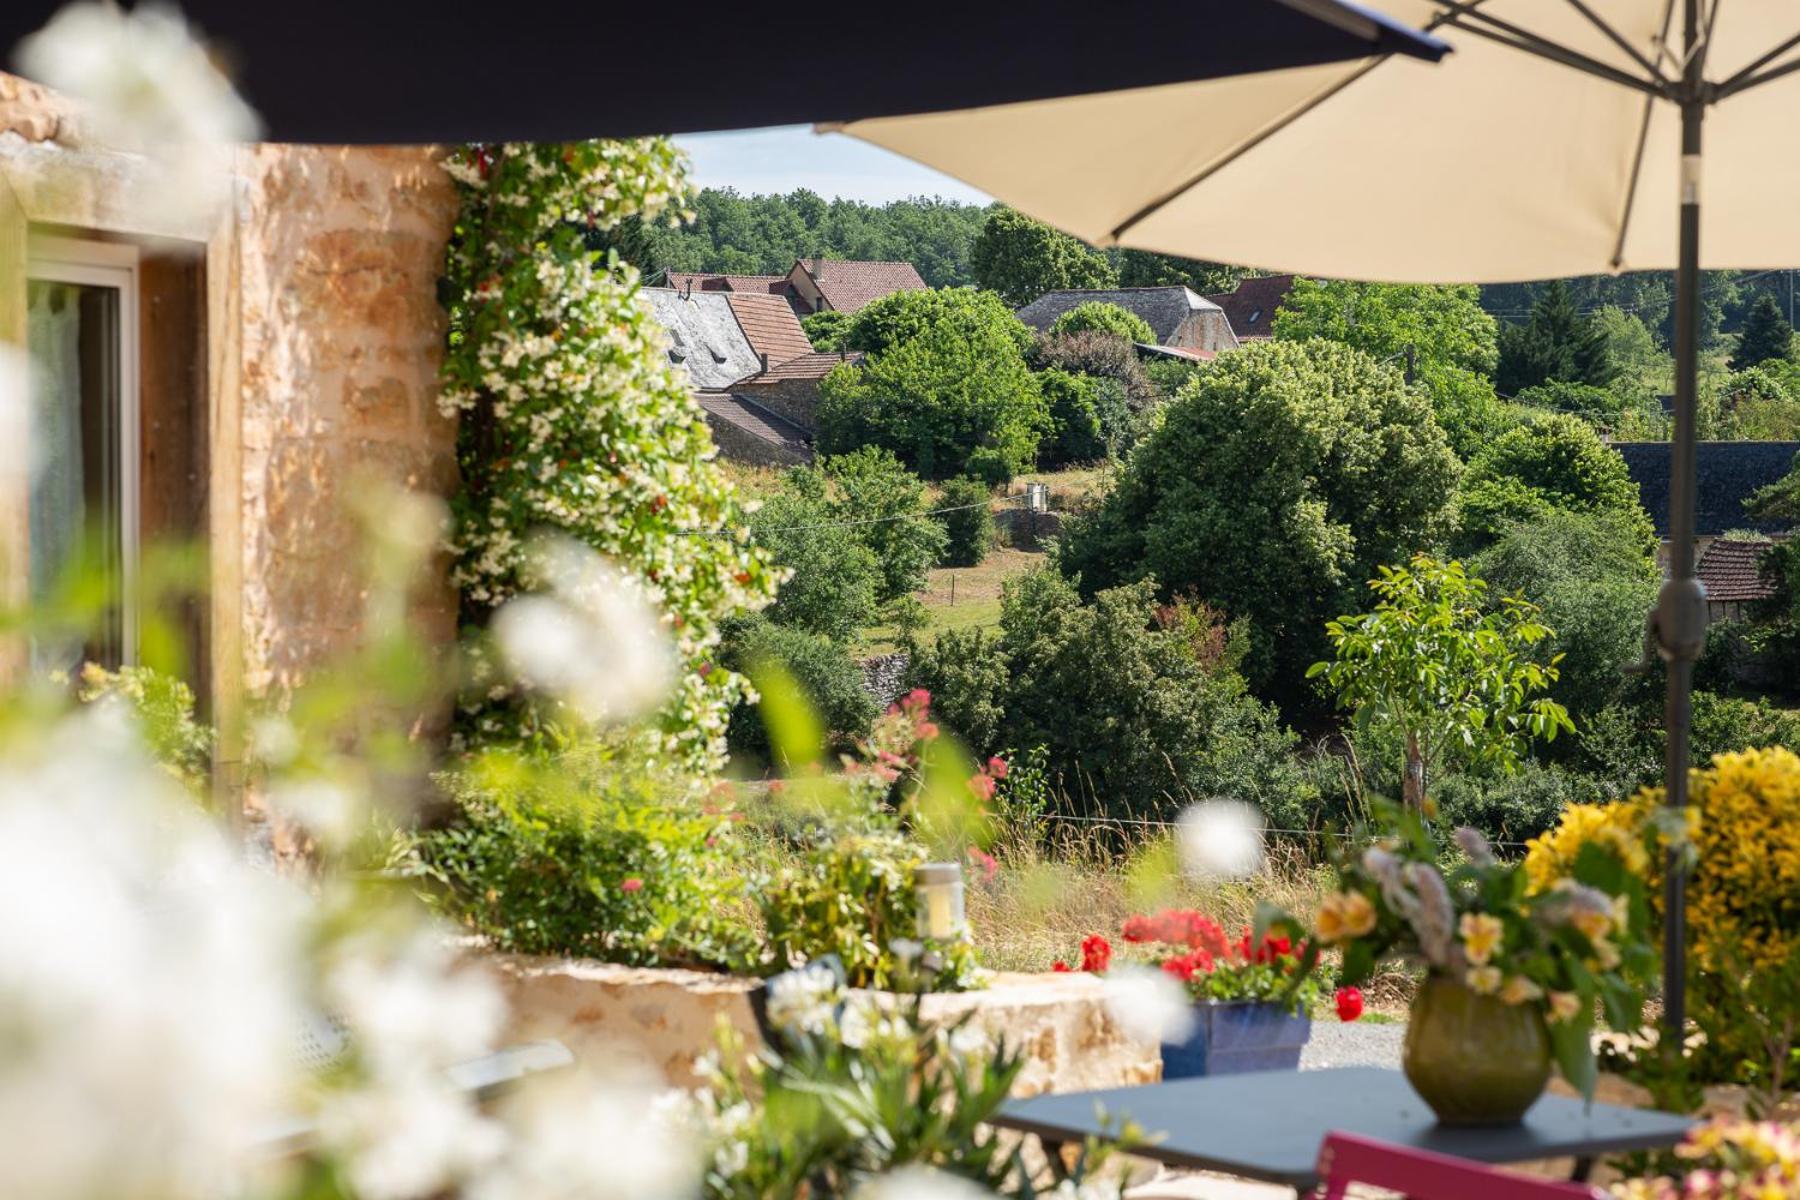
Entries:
{"x":1181,"y":319}
{"x":232,"y":380}
{"x":813,"y":284}
{"x":1251,"y":308}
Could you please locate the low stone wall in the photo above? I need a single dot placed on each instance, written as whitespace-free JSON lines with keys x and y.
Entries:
{"x":667,"y":1018}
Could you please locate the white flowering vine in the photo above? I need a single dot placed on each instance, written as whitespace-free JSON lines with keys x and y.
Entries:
{"x":574,"y":421}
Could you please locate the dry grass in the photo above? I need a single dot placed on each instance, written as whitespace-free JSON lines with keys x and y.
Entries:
{"x":962,"y":597}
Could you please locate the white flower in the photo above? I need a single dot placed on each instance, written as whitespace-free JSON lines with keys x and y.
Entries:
{"x":411,"y":1006}
{"x":408,"y":1138}
{"x":1068,"y":1189}
{"x":592,"y":638}
{"x":1220,"y":839}
{"x":1149,"y":1005}
{"x":148,"y":86}
{"x":920,"y":1183}
{"x":586,"y":1140}
{"x":146,"y":977}
{"x":320,"y":806}
{"x":803,"y":1000}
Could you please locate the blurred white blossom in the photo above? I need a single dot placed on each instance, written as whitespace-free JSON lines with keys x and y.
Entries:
{"x":1149,"y":1005}
{"x":584,"y":1140}
{"x":1220,"y":839}
{"x":804,"y":1000}
{"x":592,"y":637}
{"x":920,"y":1183}
{"x":148,"y":86}
{"x":148,"y":985}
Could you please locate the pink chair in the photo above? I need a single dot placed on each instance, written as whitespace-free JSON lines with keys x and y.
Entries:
{"x":1345,"y":1159}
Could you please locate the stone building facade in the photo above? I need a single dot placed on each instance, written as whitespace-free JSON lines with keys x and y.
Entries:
{"x":287,"y":354}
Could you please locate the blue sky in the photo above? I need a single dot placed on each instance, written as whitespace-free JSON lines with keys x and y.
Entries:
{"x":786,"y":157}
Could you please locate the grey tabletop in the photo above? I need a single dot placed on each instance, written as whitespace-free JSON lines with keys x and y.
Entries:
{"x":1268,"y":1125}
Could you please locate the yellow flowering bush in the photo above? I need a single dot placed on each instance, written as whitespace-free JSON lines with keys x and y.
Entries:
{"x":1551,"y":856}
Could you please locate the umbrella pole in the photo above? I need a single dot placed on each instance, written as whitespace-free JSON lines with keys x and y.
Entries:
{"x":1681,"y":608}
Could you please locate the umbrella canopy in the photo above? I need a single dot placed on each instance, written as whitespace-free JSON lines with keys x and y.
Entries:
{"x":1564,"y":137}
{"x":394,"y":71}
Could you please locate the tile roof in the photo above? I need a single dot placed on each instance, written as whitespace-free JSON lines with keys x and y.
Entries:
{"x":1164,"y":308}
{"x":704,"y":337}
{"x":816,"y":365}
{"x":755,"y":420}
{"x":702,"y":281}
{"x":1731,"y":569}
{"x":1251,"y":309}
{"x":1155,"y":351}
{"x":1725,"y":475}
{"x":770,"y":324}
{"x":847,"y":285}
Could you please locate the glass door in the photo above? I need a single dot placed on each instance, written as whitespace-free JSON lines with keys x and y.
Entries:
{"x":82,"y":326}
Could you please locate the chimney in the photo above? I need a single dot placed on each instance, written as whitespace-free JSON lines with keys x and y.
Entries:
{"x":763,"y":358}
{"x":818,"y":268}
{"x":687,"y":289}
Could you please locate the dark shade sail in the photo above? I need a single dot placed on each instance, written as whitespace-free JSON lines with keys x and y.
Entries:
{"x":409,"y":71}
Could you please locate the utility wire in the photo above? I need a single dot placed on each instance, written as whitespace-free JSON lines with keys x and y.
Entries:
{"x":861,"y":521}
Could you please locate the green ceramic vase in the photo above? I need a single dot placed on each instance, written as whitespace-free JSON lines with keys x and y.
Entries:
{"x":1474,"y":1059}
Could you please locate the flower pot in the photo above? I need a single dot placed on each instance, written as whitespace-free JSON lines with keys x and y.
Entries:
{"x":1231,"y":1038}
{"x":1475,"y":1059}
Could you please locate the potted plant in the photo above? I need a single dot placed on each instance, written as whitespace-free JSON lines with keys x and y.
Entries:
{"x":1519,"y":956}
{"x":1253,"y":998}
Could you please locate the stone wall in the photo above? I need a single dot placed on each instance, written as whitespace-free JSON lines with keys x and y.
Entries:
{"x":795,"y":399}
{"x":340,"y":337}
{"x":740,"y":445}
{"x":33,"y":112}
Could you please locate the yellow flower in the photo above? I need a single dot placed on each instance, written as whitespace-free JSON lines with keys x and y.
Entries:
{"x":1345,"y":915}
{"x":1621,"y":914}
{"x":1483,"y":981}
{"x":1593,"y":925}
{"x":1605,"y":953}
{"x":1520,"y":990}
{"x":1564,"y":1006}
{"x":1481,"y":934}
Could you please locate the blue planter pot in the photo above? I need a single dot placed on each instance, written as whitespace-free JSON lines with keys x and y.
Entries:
{"x":1230,"y":1039}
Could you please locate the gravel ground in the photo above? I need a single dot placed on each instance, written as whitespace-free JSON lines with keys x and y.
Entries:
{"x":1337,"y":1044}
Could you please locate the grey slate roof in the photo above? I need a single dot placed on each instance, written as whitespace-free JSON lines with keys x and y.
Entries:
{"x":1726,"y":473}
{"x":1163,"y":308}
{"x":704,"y":337}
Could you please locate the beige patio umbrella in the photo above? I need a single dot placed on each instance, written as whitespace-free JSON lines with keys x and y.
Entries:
{"x":1562,"y":137}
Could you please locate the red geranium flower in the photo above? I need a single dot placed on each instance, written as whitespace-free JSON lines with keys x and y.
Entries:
{"x":1096,"y":954}
{"x":1059,"y":966}
{"x":632,"y":885}
{"x":1349,"y":1003}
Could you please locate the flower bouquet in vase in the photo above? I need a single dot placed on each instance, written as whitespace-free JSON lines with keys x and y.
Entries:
{"x":1519,"y":957}
{"x":1252,"y":998}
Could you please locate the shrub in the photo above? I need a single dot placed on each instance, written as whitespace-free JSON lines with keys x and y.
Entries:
{"x":1277,"y":482}
{"x":1097,"y":316}
{"x":883,"y":505}
{"x":803,"y":904}
{"x":1516,"y":806}
{"x":968,"y":523}
{"x":948,"y":392}
{"x":583,"y":853}
{"x":1100,"y":356}
{"x":901,"y":317}
{"x":1076,"y":432}
{"x":827,"y":330}
{"x":830,"y":680}
{"x":966,"y":672}
{"x":1552,"y":462}
{"x":1169,"y":375}
{"x":834,"y":579}
{"x":163,"y":708}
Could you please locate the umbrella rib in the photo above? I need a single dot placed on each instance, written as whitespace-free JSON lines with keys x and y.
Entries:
{"x":1748,"y":77}
{"x":1618,"y":39}
{"x":1637,"y":166}
{"x":1507,"y":34}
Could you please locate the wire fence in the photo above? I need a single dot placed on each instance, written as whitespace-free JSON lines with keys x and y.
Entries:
{"x":1157,"y":823}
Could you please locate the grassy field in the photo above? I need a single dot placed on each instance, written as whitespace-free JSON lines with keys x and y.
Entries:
{"x":962,"y":597}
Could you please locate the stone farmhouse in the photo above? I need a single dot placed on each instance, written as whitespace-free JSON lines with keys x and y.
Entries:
{"x":1182,"y":320}
{"x":813,"y":284}
{"x":1251,"y":308}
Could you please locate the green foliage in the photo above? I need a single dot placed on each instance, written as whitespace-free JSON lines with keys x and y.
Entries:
{"x":1596,"y":405}
{"x":1170,"y":375}
{"x":1778,"y":501}
{"x":1146,"y":268}
{"x":1754,"y":404}
{"x":828,"y":330}
{"x":1765,"y":335}
{"x":1021,"y":259}
{"x":1552,"y":462}
{"x":586,"y":854}
{"x":947,"y":390}
{"x":1594,"y":579}
{"x":1097,"y":316}
{"x":833,"y":578}
{"x":1518,"y":805}
{"x":1556,"y":343}
{"x":1435,"y":668}
{"x":1452,"y":342}
{"x":887,"y":506}
{"x":1077,"y":431}
{"x":763,"y":235}
{"x":1643,"y":370}
{"x":1101,"y":357}
{"x":162,"y":707}
{"x":1277,"y":481}
{"x":966,"y":672}
{"x":570,"y":417}
{"x":828,"y":678}
{"x":967,"y":521}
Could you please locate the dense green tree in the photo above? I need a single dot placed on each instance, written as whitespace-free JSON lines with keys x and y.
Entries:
{"x":1765,"y":335}
{"x":1097,"y":316}
{"x":1556,"y":343}
{"x":827,"y":676}
{"x":1753,"y":404}
{"x":968,"y":522}
{"x":945,"y":388}
{"x":1449,"y":340}
{"x":826,"y":330}
{"x":1145,"y":268}
{"x":1594,"y":578}
{"x":884,"y":504}
{"x":834,"y":579}
{"x":1021,"y":259}
{"x":1554,"y":461}
{"x":1277,"y":481}
{"x":1778,"y":501}
{"x":1596,"y":405}
{"x":1088,"y":417}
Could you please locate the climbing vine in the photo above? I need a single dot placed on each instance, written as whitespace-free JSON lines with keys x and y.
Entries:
{"x":573,"y":421}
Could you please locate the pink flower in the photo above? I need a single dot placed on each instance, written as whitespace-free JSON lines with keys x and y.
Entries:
{"x":989,"y":866}
{"x":997,"y":767}
{"x":634,"y":884}
{"x":982,"y":785}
